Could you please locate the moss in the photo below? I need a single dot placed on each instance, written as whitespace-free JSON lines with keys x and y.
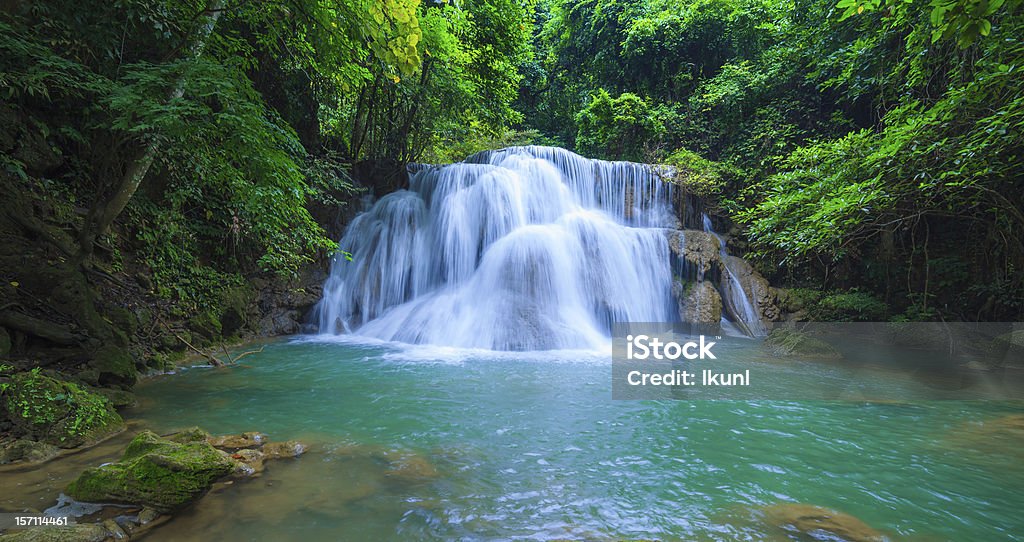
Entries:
{"x":123,"y":319}
{"x":155,"y":472}
{"x":206,"y":324}
{"x":115,"y":366}
{"x":788,"y":342}
{"x":58,"y":413}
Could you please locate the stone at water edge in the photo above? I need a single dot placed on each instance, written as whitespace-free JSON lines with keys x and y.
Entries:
{"x":155,"y":472}
{"x":789,"y":342}
{"x":58,"y":413}
{"x":249,"y":439}
{"x":83,"y":532}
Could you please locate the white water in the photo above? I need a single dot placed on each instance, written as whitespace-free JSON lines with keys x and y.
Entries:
{"x":526,"y":248}
{"x":737,"y":302}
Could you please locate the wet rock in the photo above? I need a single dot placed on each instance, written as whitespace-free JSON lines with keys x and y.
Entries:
{"x":250,"y":462}
{"x":699,"y":303}
{"x":818,"y":523}
{"x":192,"y":434}
{"x":755,"y":288}
{"x":58,"y":413}
{"x":700,"y":250}
{"x":154,"y":472}
{"x":791,"y":343}
{"x":28,"y":451}
{"x":114,"y":365}
{"x":250,"y":439}
{"x":408,"y":467}
{"x":279,"y":450}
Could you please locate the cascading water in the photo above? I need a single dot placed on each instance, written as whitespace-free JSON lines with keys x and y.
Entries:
{"x":738,"y":299}
{"x":527,"y":248}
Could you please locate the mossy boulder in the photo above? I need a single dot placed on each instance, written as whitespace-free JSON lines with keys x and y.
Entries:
{"x":156,"y":472}
{"x":58,"y":413}
{"x":789,"y":342}
{"x":114,"y":365}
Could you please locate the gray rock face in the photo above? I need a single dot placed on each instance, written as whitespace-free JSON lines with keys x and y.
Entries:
{"x":701,"y":304}
{"x":702,"y":293}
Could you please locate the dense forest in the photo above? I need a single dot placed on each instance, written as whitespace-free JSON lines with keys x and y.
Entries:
{"x":865,"y":155}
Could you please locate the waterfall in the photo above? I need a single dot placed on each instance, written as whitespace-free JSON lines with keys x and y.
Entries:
{"x":525,"y":248}
{"x":736,"y":298}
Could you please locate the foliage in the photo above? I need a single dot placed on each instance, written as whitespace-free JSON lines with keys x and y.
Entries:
{"x":616,"y":128}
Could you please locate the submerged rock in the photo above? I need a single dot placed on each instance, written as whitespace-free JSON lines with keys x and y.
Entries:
{"x":58,"y":413}
{"x":789,"y":342}
{"x":818,"y":523}
{"x":155,"y":472}
{"x":29,"y":451}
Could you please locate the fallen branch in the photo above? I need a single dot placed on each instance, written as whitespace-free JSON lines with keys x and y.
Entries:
{"x":213,"y":359}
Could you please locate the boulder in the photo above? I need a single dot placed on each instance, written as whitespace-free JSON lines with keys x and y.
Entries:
{"x":791,"y":343}
{"x":755,"y":288}
{"x":114,"y":365}
{"x":699,"y":251}
{"x":58,"y":413}
{"x":699,"y":303}
{"x":156,"y":472}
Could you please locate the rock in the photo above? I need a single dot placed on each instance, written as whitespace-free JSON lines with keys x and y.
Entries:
{"x":755,"y":288}
{"x":699,"y":303}
{"x":235,"y":442}
{"x":279,"y":450}
{"x":118,"y":398}
{"x":789,"y":342}
{"x":1009,"y":347}
{"x":84,"y":532}
{"x":5,"y":342}
{"x":819,"y":523}
{"x":159,"y":473}
{"x":699,"y":250}
{"x":250,"y":462}
{"x":1003,"y":435}
{"x":58,"y":413}
{"x":28,"y":451}
{"x":147,"y":515}
{"x":409,"y":468}
{"x":192,"y":434}
{"x":115,"y":366}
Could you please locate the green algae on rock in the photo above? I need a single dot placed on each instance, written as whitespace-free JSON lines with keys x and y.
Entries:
{"x":788,"y":342}
{"x":157,"y":472}
{"x":58,"y":413}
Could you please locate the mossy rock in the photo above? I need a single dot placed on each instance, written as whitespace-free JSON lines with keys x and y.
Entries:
{"x":156,"y":472}
{"x":118,"y":398}
{"x":1009,"y":347}
{"x":788,"y":342}
{"x":206,"y":325}
{"x":58,"y":413}
{"x":123,"y":319}
{"x":115,"y":366}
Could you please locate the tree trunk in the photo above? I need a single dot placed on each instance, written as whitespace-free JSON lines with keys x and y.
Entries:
{"x":103,"y":213}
